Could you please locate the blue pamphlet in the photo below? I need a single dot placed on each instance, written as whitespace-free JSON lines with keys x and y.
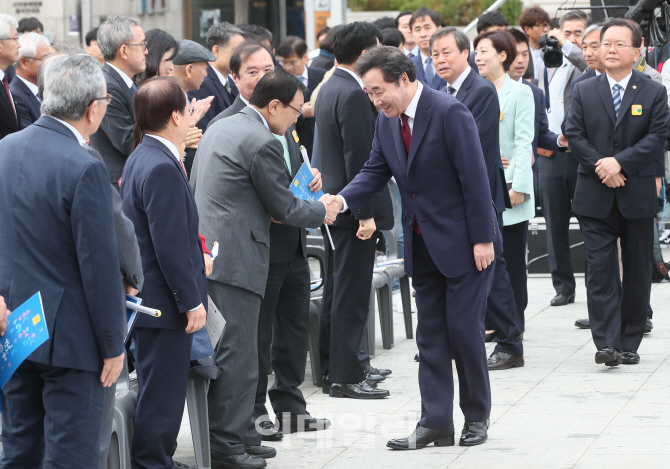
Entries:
{"x":26,"y":331}
{"x":300,"y":185}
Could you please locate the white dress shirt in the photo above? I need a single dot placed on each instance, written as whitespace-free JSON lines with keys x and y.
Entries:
{"x":459,"y":81}
{"x":76,"y":133}
{"x":222,"y":79}
{"x":31,"y":86}
{"x":304,"y":77}
{"x":537,"y":62}
{"x":358,"y":79}
{"x":423,"y":61}
{"x":414,"y":51}
{"x":126,"y":79}
{"x":623,"y":83}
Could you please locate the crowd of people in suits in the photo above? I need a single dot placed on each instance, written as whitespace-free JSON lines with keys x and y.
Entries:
{"x":408,"y":127}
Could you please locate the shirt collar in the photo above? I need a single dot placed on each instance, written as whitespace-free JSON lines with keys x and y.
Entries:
{"x":423,"y":57}
{"x":304,"y":75}
{"x":222,"y":79}
{"x":128,"y":80}
{"x":358,"y":79}
{"x":31,"y":86}
{"x":2,"y":75}
{"x":461,"y":78}
{"x":410,"y":112}
{"x":171,"y":146}
{"x":598,"y":73}
{"x":623,"y":82}
{"x":414,"y":51}
{"x":244,"y":100}
{"x":265,"y":123}
{"x":76,"y":133}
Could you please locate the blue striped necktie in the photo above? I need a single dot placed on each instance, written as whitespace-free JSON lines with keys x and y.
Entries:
{"x":616,"y":98}
{"x":429,"y":72}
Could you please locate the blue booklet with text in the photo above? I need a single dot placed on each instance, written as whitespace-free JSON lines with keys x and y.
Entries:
{"x":300,"y":185}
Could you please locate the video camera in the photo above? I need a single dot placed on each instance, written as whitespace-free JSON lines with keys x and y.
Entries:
{"x":551,"y":52}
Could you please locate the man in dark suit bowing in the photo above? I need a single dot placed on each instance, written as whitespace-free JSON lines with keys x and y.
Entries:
{"x":9,"y":51}
{"x":158,"y":200}
{"x":428,"y":141}
{"x":450,"y":49}
{"x":121,"y":41}
{"x":617,"y":126}
{"x":34,"y":48}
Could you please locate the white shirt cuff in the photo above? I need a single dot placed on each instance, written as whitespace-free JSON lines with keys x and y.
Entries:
{"x":345,"y":207}
{"x":197,"y":307}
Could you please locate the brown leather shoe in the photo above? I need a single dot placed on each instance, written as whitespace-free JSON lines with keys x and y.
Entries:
{"x":504,"y":361}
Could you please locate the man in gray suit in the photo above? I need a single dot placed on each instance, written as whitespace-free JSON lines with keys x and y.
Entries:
{"x":239,"y":186}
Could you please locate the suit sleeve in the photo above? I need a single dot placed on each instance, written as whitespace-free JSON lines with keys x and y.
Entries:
{"x":92,"y":225}
{"x":575,"y":130}
{"x":127,"y":247}
{"x":546,"y":138}
{"x":486,"y":112}
{"x":167,"y":214}
{"x":635,"y":157}
{"x":356,"y":131}
{"x":576,"y":56}
{"x":269,"y":179}
{"x":524,"y":123}
{"x":119,"y":121}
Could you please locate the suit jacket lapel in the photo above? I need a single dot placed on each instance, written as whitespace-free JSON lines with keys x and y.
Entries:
{"x":218,"y":85}
{"x":628,"y":97}
{"x":421,"y":121}
{"x":122,"y":84}
{"x":399,"y":144}
{"x":465,"y":87}
{"x":606,"y":96}
{"x":503,"y":94}
{"x":152,"y":142}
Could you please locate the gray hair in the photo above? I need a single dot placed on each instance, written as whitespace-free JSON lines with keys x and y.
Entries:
{"x":220,"y":34}
{"x":590,"y":29}
{"x":6,"y":23}
{"x":29,"y":43}
{"x":71,"y":84}
{"x":113,"y":33}
{"x":68,"y":48}
{"x":462,"y":41}
{"x":40,"y":71}
{"x":575,"y":15}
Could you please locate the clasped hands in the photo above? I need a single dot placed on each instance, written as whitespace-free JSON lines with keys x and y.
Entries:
{"x":609,"y":171}
{"x":333,"y":206}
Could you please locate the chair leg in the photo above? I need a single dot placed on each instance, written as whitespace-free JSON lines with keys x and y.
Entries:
{"x":196,"y":399}
{"x":314,"y":344}
{"x":386,"y":315}
{"x":406,"y":306}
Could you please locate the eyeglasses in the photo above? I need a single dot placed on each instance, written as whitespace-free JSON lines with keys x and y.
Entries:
{"x":296,"y":110}
{"x":143,"y":45}
{"x":10,"y":38}
{"x":543,"y":25}
{"x":107,"y":98}
{"x":616,"y":46}
{"x":34,"y":58}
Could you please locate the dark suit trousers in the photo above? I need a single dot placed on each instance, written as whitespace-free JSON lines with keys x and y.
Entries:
{"x":450,"y":324}
{"x":283,"y":346}
{"x":515,"y":240}
{"x":557,"y":180}
{"x":162,"y":364}
{"x":51,"y":418}
{"x":501,"y":310}
{"x":231,"y":397}
{"x":618,"y":309}
{"x":345,"y":304}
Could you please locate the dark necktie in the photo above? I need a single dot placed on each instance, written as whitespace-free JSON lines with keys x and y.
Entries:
{"x":9,"y":95}
{"x":406,"y":133}
{"x":451,"y":90}
{"x":616,"y":98}
{"x":133,"y":89}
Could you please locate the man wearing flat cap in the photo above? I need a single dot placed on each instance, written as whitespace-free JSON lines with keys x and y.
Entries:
{"x":190,"y":67}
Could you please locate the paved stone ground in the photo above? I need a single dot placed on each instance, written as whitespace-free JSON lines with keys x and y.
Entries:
{"x":559,"y":411}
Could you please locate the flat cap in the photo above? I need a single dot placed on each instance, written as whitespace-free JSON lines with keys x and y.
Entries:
{"x":192,"y":52}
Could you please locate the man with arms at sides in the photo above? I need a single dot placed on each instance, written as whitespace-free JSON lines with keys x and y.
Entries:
{"x":428,"y":141}
{"x":158,"y":200}
{"x":489,"y":21}
{"x":410,"y":48}
{"x":9,"y":52}
{"x":617,"y":128}
{"x":423,"y":23}
{"x":286,"y":298}
{"x":240,"y":188}
{"x":294,"y":59}
{"x":56,"y":196}
{"x":346,"y":120}
{"x":121,"y":41}
{"x":450,"y":48}
{"x":34,"y":48}
{"x":222,"y":39}
{"x":535,"y":22}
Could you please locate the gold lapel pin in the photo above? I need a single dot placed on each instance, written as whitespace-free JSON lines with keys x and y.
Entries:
{"x":634,"y":87}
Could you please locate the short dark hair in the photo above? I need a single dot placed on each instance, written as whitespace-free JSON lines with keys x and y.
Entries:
{"x":462,"y":41}
{"x":502,"y":41}
{"x":278,"y":84}
{"x":155,"y":101}
{"x":390,"y":60}
{"x":400,"y":15}
{"x":27,"y":25}
{"x":327,"y":42}
{"x":519,"y":36}
{"x":219,"y":34}
{"x":92,"y":35}
{"x":322,"y":31}
{"x":292,"y":45}
{"x":385,"y":22}
{"x":423,"y":12}
{"x":158,"y":43}
{"x":392,"y":37}
{"x":575,"y":15}
{"x":253,"y":31}
{"x":532,"y":16}
{"x":242,"y":53}
{"x":635,"y":30}
{"x":490,"y":18}
{"x":352,"y":39}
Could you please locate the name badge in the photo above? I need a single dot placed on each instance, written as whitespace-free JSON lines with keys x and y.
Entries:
{"x":501,"y":115}
{"x":295,"y":136}
{"x":636,"y":110}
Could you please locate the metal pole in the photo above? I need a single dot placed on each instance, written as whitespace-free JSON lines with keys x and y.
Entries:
{"x":86,"y":19}
{"x":495,"y":6}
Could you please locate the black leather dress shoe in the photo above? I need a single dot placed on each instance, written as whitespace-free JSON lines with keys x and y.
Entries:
{"x":377,"y":371}
{"x":583,"y":324}
{"x":504,"y":361}
{"x":490,"y":335}
{"x":270,"y":432}
{"x":237,"y":461}
{"x":563,"y":299}
{"x":375,"y":378}
{"x":474,"y":433}
{"x":609,"y":356}
{"x":630,"y":357}
{"x":421,"y":438}
{"x":180,"y":465}
{"x":325,"y":387}
{"x":265,"y":452}
{"x":416,"y":357}
{"x":648,"y":327}
{"x":302,"y":423}
{"x":362,"y":390}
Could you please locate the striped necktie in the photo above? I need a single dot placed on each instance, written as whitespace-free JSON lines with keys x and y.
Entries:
{"x":616,"y":98}
{"x":429,"y":71}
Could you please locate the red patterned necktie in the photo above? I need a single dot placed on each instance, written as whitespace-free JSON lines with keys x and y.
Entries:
{"x":6,"y":83}
{"x":181,"y":163}
{"x":406,"y":133}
